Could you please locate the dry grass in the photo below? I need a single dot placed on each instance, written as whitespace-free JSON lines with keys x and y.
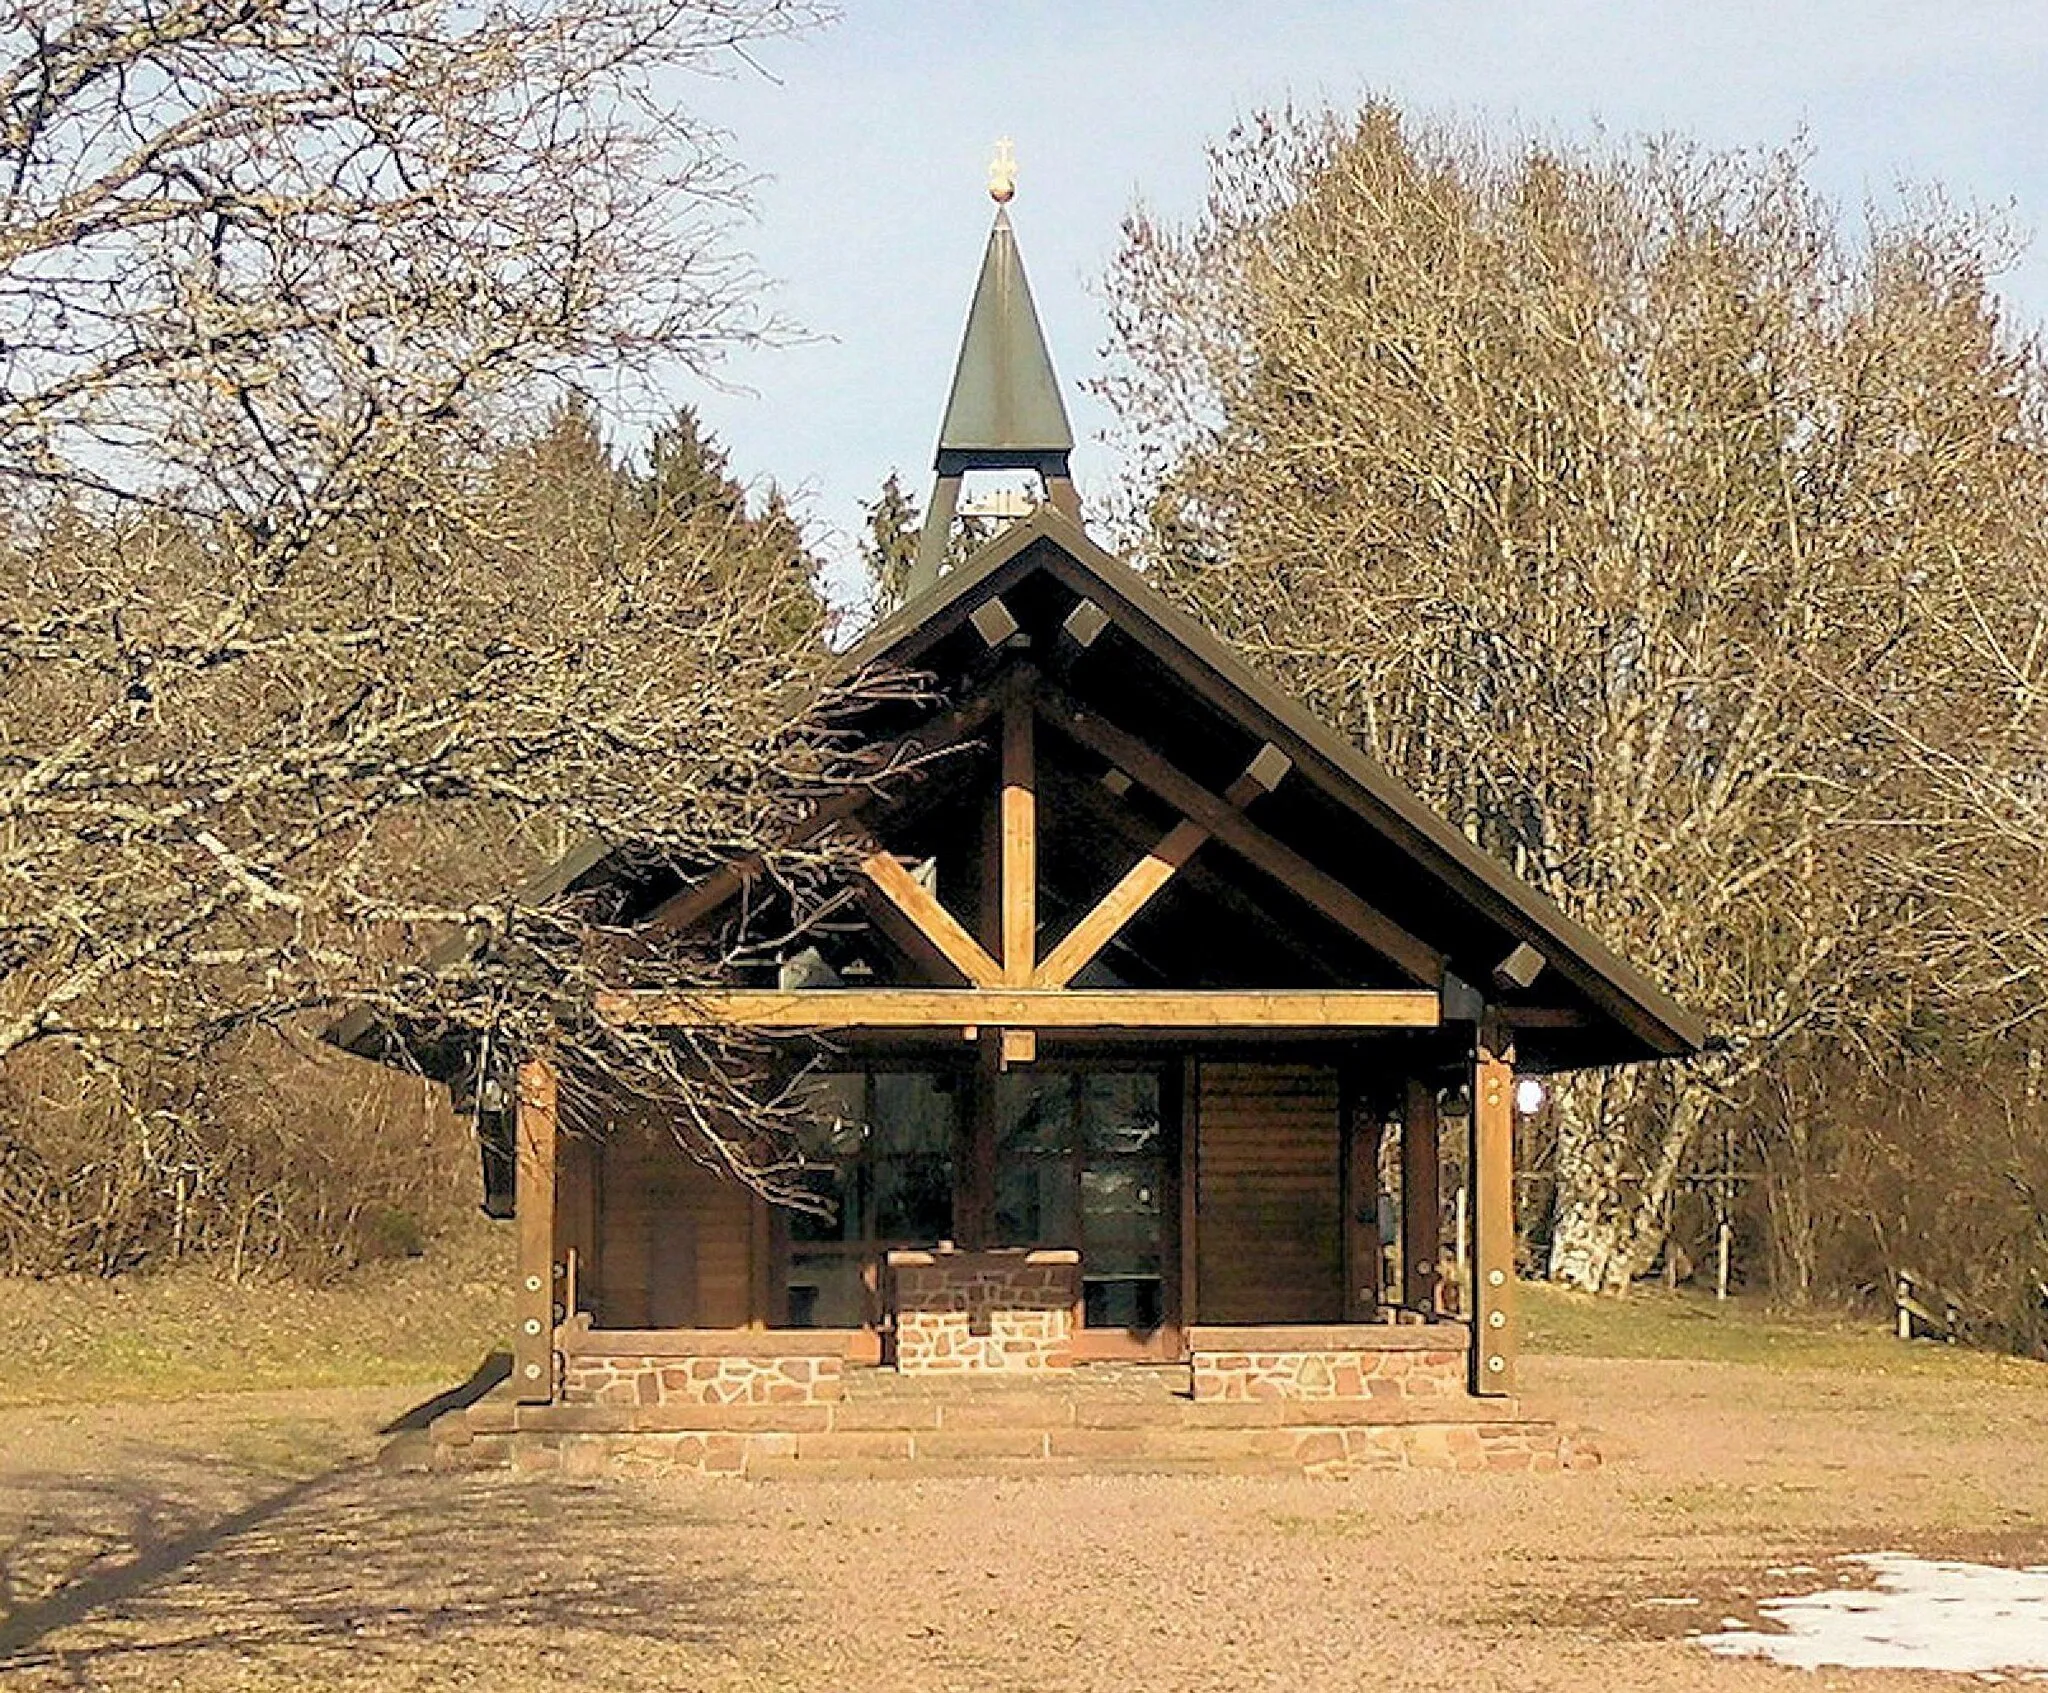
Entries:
{"x":190,"y":1330}
{"x":1654,"y":1323}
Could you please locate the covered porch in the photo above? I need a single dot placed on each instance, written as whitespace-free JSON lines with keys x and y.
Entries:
{"x":1273,"y":1216}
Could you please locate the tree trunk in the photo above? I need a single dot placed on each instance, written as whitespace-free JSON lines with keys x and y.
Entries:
{"x":1589,"y":1228}
{"x":1607,"y":1229}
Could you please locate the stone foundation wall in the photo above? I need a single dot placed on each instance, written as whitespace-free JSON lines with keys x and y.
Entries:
{"x":1336,"y":1453}
{"x":699,"y":1367}
{"x":699,"y":1381}
{"x":1351,"y":1362}
{"x":962,"y":1312}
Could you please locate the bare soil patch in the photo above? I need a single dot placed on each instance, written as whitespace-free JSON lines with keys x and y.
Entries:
{"x":252,"y":1542}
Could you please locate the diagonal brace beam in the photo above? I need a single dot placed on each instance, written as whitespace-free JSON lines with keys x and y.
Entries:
{"x":1416,"y":959}
{"x":921,"y":908}
{"x":1086,"y":939}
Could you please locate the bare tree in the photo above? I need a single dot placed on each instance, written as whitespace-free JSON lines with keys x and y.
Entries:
{"x":314,"y":631}
{"x":1665,"y":536}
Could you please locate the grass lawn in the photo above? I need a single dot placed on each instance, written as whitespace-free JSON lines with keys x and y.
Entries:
{"x":1652,"y":1322}
{"x":410,"y":1322}
{"x":428,"y":1321}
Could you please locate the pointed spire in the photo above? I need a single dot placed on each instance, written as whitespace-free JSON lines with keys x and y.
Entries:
{"x":1005,"y":412}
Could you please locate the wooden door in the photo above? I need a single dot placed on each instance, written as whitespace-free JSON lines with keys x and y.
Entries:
{"x":1269,"y":1195}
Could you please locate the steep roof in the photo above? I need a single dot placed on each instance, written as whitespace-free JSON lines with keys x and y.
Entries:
{"x":1359,"y":821}
{"x":1005,"y":406}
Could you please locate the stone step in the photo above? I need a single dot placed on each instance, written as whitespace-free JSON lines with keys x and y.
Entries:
{"x":1022,"y":1411}
{"x":920,"y":1469}
{"x":1286,"y":1448}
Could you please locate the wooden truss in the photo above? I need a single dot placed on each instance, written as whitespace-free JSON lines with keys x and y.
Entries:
{"x":1012,"y":988}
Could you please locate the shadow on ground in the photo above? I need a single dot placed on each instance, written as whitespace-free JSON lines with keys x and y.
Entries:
{"x":495,"y":1368}
{"x":172,"y":1563}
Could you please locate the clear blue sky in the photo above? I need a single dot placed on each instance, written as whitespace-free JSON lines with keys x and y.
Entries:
{"x":872,"y":138}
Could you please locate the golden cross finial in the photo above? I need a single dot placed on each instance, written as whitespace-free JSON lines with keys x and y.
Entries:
{"x":1002,"y":174}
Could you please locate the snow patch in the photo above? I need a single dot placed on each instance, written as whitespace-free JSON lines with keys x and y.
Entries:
{"x":1918,"y":1614}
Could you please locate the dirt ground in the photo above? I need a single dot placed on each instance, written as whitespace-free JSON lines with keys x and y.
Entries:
{"x":251,"y":1541}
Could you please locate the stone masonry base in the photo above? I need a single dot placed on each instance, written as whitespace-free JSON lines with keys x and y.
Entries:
{"x":1338,"y":1361}
{"x":997,"y":1312}
{"x":1025,"y":1432}
{"x":620,"y":1367}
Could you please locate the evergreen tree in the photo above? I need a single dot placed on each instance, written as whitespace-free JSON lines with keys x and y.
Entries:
{"x":889,"y":548}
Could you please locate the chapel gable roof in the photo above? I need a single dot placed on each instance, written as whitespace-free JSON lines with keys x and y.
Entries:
{"x":1141,"y":667}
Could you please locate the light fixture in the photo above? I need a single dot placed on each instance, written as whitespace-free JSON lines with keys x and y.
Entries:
{"x":1529,"y":1096}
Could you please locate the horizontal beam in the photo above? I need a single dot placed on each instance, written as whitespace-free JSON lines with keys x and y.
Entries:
{"x":1024,"y":1008}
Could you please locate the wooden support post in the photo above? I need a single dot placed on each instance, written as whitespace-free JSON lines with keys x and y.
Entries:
{"x":1491,"y":1177}
{"x":974,"y":1201}
{"x":1359,"y":1156}
{"x":1020,"y":842}
{"x":533,"y":1340}
{"x":762,"y":1278}
{"x":1421,"y":1197}
{"x":1190,"y":1189}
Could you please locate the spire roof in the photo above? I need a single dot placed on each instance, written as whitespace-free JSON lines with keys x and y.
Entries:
{"x":1005,"y":410}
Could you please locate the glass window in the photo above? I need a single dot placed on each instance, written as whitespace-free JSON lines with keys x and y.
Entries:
{"x":1080,"y":1162}
{"x":1123,"y":1182}
{"x":832,"y":1146}
{"x":827,"y":1290}
{"x":910,"y":1155}
{"x":1035,"y":1147}
{"x":879,"y":1157}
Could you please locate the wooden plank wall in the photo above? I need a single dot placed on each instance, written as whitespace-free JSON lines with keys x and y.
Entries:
{"x":1269,"y":1201}
{"x":675,"y":1249}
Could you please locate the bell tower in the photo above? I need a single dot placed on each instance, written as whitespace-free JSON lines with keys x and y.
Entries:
{"x":1005,"y":411}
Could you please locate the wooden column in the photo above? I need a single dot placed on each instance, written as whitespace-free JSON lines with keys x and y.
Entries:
{"x":1190,"y":1189}
{"x":1421,"y":1198}
{"x":1360,"y":1160}
{"x":1491,"y":1174}
{"x":1020,"y":843}
{"x":534,"y":1131}
{"x":974,"y":1183}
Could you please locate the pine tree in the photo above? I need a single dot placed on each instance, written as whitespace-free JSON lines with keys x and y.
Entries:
{"x":889,"y":548}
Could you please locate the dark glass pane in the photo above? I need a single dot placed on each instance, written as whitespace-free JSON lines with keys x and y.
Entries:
{"x":1123,"y":1181}
{"x":911,"y":1154}
{"x":826,"y":1292}
{"x":1034,"y":1112}
{"x":832,"y":1143}
{"x":1121,"y":1218}
{"x":1123,"y":1302}
{"x":1120,"y":1114}
{"x":1035,"y":1201}
{"x":1034,"y":1159}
